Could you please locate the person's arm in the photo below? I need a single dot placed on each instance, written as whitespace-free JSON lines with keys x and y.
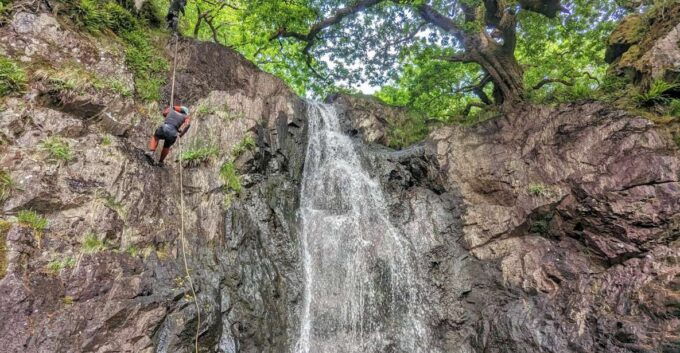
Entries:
{"x":166,"y":111}
{"x":185,"y":126}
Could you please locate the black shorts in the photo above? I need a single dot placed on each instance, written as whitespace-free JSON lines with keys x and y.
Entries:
{"x":167,"y":133}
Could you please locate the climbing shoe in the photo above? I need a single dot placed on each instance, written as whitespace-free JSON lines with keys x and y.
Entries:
{"x":149,"y":157}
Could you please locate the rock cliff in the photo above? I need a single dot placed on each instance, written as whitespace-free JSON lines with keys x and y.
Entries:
{"x":106,"y":273}
{"x":564,"y":236}
{"x":552,"y":229}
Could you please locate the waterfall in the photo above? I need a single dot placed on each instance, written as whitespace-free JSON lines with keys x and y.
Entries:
{"x":361,"y":291}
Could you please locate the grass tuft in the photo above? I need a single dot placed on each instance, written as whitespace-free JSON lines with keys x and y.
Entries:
{"x":12,"y":77}
{"x":537,"y":189}
{"x":231,"y":179}
{"x":57,"y":148}
{"x":32,"y":219}
{"x":247,"y":144}
{"x":7,"y":185}
{"x":55,"y":266}
{"x":92,"y":244}
{"x":199,"y":153}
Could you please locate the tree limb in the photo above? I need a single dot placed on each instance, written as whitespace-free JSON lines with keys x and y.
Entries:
{"x":470,"y":105}
{"x":325,"y":23}
{"x":552,"y":80}
{"x":432,"y":16}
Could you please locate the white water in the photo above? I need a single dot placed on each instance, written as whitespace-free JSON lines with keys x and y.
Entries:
{"x":361,"y":293}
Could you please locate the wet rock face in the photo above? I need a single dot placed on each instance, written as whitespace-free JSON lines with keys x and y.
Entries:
{"x":562,"y":231}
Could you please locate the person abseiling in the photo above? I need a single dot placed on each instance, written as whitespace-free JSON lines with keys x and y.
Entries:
{"x":177,"y":122}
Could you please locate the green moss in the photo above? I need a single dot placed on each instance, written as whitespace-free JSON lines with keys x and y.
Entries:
{"x":32,"y":219}
{"x":247,"y":144}
{"x":92,"y":244}
{"x":230,"y":177}
{"x":57,"y":149}
{"x":4,"y":228}
{"x":12,"y":77}
{"x":67,"y":300}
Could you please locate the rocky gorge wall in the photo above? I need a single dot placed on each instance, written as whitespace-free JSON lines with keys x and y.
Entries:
{"x":547,"y":230}
{"x":564,"y":236}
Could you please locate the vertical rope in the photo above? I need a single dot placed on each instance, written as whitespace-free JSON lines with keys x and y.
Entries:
{"x":181,"y":204}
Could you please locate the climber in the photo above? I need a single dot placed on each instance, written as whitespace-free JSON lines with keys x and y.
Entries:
{"x":177,"y":122}
{"x":172,"y":17}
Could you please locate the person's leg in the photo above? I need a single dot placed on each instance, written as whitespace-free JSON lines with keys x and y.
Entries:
{"x":153,"y":143}
{"x":164,"y":153}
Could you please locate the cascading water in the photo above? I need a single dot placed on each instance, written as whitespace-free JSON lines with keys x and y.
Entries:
{"x":361,"y":292}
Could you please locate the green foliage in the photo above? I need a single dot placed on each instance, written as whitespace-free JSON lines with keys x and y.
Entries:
{"x":230,"y":177}
{"x":538,"y":189}
{"x":407,"y":132}
{"x":147,"y":63}
{"x":12,"y":77}
{"x":199,"y":152}
{"x":144,"y":58}
{"x":132,"y":250}
{"x":106,"y":140}
{"x":7,"y":185}
{"x":67,"y":300}
{"x":57,"y":149}
{"x":55,"y":266}
{"x":4,"y":228}
{"x":542,"y":224}
{"x":92,"y":244}
{"x":656,"y":94}
{"x":32,"y":219}
{"x":247,"y":144}
{"x":674,"y":108}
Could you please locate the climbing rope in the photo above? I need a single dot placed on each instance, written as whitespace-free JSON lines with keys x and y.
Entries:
{"x":181,"y":203}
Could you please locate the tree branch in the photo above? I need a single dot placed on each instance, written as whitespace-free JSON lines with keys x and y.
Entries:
{"x":325,"y":23}
{"x":552,"y":80}
{"x":432,"y":16}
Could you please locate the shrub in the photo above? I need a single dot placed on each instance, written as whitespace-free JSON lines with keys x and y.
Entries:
{"x":32,"y":219}
{"x":230,"y":177}
{"x":92,"y":244}
{"x":6,"y":185}
{"x":57,"y":149}
{"x":247,"y":144}
{"x":12,"y":77}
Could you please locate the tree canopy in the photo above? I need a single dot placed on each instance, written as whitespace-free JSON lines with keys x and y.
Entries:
{"x":441,"y":57}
